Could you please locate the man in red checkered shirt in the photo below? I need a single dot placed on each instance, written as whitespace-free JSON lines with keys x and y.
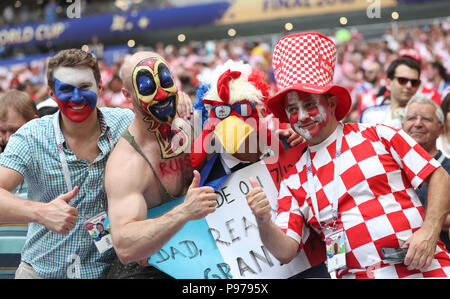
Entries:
{"x":354,"y":183}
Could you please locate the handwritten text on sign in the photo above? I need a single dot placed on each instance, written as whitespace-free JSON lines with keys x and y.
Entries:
{"x":226,"y":244}
{"x":234,"y":228}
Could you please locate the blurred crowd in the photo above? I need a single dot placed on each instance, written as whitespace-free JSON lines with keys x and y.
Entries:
{"x":361,"y":63}
{"x":17,"y":12}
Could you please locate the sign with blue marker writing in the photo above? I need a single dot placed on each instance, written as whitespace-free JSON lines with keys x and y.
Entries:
{"x":226,"y":244}
{"x":190,"y":251}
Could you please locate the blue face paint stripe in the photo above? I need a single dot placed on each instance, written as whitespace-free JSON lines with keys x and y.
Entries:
{"x":67,"y":92}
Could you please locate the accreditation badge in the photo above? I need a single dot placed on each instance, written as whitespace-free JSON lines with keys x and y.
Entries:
{"x":100,"y":231}
{"x":335,"y":246}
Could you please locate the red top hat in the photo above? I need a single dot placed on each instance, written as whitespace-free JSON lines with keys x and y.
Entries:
{"x":305,"y":62}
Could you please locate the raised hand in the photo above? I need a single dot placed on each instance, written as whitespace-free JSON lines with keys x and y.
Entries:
{"x":258,"y":202}
{"x":58,"y":215}
{"x":200,"y":201}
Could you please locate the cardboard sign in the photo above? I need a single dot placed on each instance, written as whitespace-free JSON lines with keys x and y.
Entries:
{"x":226,"y":244}
{"x":234,"y":228}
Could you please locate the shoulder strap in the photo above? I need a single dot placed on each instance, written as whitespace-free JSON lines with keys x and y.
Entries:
{"x":128,"y":137}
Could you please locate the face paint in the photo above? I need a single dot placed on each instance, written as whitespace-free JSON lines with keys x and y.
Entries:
{"x":156,"y":90}
{"x":157,"y":96}
{"x":306,"y":114}
{"x":75,"y":92}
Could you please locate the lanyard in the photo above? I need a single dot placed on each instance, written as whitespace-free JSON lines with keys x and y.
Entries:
{"x":310,"y":182}
{"x":62,"y":156}
{"x":441,"y":158}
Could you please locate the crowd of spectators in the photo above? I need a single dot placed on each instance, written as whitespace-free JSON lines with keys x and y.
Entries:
{"x":192,"y":60}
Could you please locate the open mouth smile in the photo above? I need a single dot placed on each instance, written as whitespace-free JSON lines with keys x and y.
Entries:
{"x":78,"y":107}
{"x":165,"y":109}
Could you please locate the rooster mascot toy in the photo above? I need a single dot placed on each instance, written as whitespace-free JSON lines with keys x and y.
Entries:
{"x":233,"y":134}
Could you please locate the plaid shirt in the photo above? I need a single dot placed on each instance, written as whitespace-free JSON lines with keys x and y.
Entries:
{"x":378,"y":207}
{"x":32,"y":151}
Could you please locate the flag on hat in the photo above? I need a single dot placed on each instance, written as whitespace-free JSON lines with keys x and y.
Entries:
{"x":306,"y":62}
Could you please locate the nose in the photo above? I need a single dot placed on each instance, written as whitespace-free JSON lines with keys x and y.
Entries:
{"x":77,"y":97}
{"x":418,"y":121}
{"x":302,"y":115}
{"x":161,"y":94}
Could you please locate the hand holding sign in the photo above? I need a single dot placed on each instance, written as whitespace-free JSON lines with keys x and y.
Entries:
{"x":200,"y":201}
{"x":258,"y":202}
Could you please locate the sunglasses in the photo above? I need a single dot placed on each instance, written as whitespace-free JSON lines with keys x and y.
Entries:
{"x":403,"y":81}
{"x":223,"y":111}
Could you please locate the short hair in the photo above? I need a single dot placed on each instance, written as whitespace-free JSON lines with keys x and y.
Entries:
{"x":72,"y":58}
{"x":19,"y":101}
{"x":441,"y":69}
{"x":419,"y":98}
{"x":409,"y":62}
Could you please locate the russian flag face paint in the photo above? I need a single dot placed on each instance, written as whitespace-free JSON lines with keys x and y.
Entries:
{"x":75,"y":92}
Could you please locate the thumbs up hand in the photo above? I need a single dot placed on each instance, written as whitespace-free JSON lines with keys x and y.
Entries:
{"x":58,"y":215}
{"x":200,"y":201}
{"x":258,"y":202}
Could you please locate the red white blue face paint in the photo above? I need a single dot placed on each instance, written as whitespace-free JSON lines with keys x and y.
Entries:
{"x":75,"y":92}
{"x":306,"y":114}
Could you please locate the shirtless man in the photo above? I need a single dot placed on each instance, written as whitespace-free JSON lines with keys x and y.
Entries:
{"x":137,"y":181}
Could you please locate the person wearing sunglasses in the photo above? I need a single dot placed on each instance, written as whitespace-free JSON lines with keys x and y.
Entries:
{"x":402,"y":83}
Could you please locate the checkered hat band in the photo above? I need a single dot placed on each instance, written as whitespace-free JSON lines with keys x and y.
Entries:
{"x":304,"y":59}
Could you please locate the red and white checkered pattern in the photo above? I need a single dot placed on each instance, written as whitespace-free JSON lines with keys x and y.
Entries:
{"x":368,"y":98}
{"x":305,"y":62}
{"x":307,"y":58}
{"x":379,"y":169}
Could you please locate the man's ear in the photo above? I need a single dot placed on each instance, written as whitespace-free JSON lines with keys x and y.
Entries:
{"x":332,"y":101}
{"x":388,"y":84}
{"x":100,"y":86}
{"x":126,"y":94}
{"x":51,"y":93}
{"x":441,"y":128}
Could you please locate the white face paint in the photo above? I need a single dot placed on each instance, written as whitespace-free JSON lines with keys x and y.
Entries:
{"x":77,"y":76}
{"x":306,"y":114}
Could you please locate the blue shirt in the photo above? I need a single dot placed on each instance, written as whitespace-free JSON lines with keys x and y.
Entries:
{"x":33,"y":152}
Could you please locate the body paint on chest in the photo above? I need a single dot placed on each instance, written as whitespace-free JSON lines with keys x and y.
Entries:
{"x":175,"y":166}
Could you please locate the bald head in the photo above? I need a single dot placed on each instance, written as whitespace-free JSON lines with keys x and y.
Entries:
{"x":126,"y":72}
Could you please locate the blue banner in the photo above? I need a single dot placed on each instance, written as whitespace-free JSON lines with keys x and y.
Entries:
{"x":109,"y":25}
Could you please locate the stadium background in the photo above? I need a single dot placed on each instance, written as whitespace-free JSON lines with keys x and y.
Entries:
{"x":32,"y":30}
{"x":196,"y":35}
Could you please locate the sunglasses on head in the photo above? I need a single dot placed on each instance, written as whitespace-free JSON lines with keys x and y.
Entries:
{"x":404,"y":81}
